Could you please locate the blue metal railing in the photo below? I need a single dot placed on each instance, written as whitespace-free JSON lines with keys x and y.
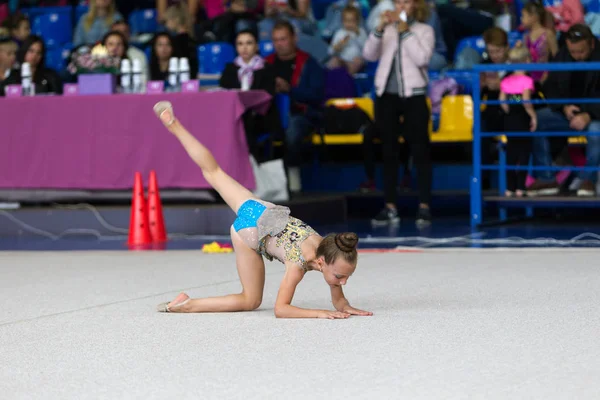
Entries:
{"x":476,"y":192}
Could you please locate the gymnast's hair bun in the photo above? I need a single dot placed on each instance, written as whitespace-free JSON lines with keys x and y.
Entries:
{"x":346,"y":241}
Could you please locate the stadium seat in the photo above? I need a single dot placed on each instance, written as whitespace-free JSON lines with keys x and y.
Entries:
{"x":214,"y":56}
{"x":33,"y":12}
{"x":143,"y":21}
{"x":266,"y":48}
{"x":350,"y":138}
{"x":57,"y":58}
{"x":319,"y":8}
{"x":456,"y":120}
{"x":475,"y":42}
{"x":55,"y":28}
{"x":80,"y":11}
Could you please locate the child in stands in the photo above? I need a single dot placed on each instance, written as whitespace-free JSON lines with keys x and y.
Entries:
{"x":518,"y":86}
{"x":540,"y":41}
{"x":348,"y":42}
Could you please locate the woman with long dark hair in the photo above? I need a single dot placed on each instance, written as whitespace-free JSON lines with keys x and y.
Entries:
{"x":162,"y":51}
{"x":45,"y":80}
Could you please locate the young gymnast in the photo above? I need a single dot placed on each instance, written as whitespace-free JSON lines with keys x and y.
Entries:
{"x":265,"y":229}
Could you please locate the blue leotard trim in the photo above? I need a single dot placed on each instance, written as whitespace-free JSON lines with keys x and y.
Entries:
{"x":248,"y":215}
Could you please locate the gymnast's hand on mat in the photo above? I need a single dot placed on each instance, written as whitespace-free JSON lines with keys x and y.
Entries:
{"x":355,"y":311}
{"x":324,"y":314}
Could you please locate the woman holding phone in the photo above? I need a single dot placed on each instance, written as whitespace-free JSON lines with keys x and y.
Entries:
{"x":403,"y":44}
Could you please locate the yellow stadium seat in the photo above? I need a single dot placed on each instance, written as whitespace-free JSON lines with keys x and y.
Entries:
{"x":364,"y":103}
{"x":456,"y":120}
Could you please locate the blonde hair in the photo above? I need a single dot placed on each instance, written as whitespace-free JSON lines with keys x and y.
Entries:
{"x":421,"y":10}
{"x":518,"y":54}
{"x":179,"y":14}
{"x":8,"y":46}
{"x":91,"y":15}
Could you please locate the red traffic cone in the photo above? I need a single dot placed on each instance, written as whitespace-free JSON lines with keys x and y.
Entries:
{"x":155,"y":213}
{"x":139,"y":230}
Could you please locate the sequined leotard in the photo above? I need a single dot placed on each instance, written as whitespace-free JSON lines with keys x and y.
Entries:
{"x":272,"y":232}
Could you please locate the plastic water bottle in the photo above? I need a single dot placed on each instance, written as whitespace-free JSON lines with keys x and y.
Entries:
{"x":184,"y":70}
{"x":137,"y":76}
{"x":126,"y":76}
{"x":173,"y":72}
{"x":27,"y":86}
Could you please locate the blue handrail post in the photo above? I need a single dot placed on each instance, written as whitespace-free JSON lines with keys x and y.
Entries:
{"x":502,"y":178}
{"x":476,"y":196}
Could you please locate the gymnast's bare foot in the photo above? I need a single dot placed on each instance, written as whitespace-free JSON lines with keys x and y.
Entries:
{"x":164,"y":111}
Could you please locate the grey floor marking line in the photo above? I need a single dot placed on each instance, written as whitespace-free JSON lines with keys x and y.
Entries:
{"x":117,"y":302}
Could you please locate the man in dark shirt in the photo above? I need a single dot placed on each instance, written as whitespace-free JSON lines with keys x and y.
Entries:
{"x":303,"y":79}
{"x":581,"y":46}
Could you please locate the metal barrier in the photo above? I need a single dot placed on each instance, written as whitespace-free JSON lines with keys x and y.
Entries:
{"x":477,"y":200}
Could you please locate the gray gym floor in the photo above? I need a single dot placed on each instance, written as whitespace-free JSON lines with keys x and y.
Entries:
{"x":447,"y":324}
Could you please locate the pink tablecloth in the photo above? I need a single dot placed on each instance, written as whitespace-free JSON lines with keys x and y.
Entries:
{"x":99,"y":142}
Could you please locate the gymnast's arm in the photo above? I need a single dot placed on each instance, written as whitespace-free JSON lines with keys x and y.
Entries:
{"x":284,"y":308}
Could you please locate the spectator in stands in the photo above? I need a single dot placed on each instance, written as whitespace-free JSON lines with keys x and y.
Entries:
{"x":438,"y":58}
{"x":236,"y":18}
{"x":96,"y":23}
{"x":116,"y":44}
{"x":403,"y":49}
{"x":191,"y":7}
{"x":162,"y":51}
{"x":133,"y":53}
{"x":348,"y":42}
{"x":458,"y":23}
{"x":566,"y":13}
{"x":540,"y":41}
{"x":333,"y":16}
{"x":300,"y":76}
{"x":521,"y":117}
{"x":298,"y":12}
{"x":19,"y":27}
{"x":45,"y":80}
{"x":496,"y":46}
{"x":581,"y":46}
{"x":8,"y":56}
{"x":249,"y":71}
{"x":177,"y":23}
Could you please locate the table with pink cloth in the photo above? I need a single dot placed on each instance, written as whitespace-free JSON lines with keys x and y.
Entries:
{"x":99,"y":142}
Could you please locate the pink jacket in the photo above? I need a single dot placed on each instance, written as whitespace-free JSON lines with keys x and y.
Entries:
{"x":415,"y":52}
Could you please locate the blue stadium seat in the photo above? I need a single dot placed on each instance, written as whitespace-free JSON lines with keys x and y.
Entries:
{"x":55,"y":28}
{"x":80,"y":11}
{"x":33,"y":12}
{"x":591,"y":6}
{"x":266,"y":48}
{"x":143,"y":21}
{"x":57,"y":58}
{"x":514,"y":37}
{"x":214,"y":56}
{"x":475,"y":42}
{"x":319,"y":8}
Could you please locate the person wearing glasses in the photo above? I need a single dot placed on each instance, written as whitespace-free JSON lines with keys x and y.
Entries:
{"x":581,"y":46}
